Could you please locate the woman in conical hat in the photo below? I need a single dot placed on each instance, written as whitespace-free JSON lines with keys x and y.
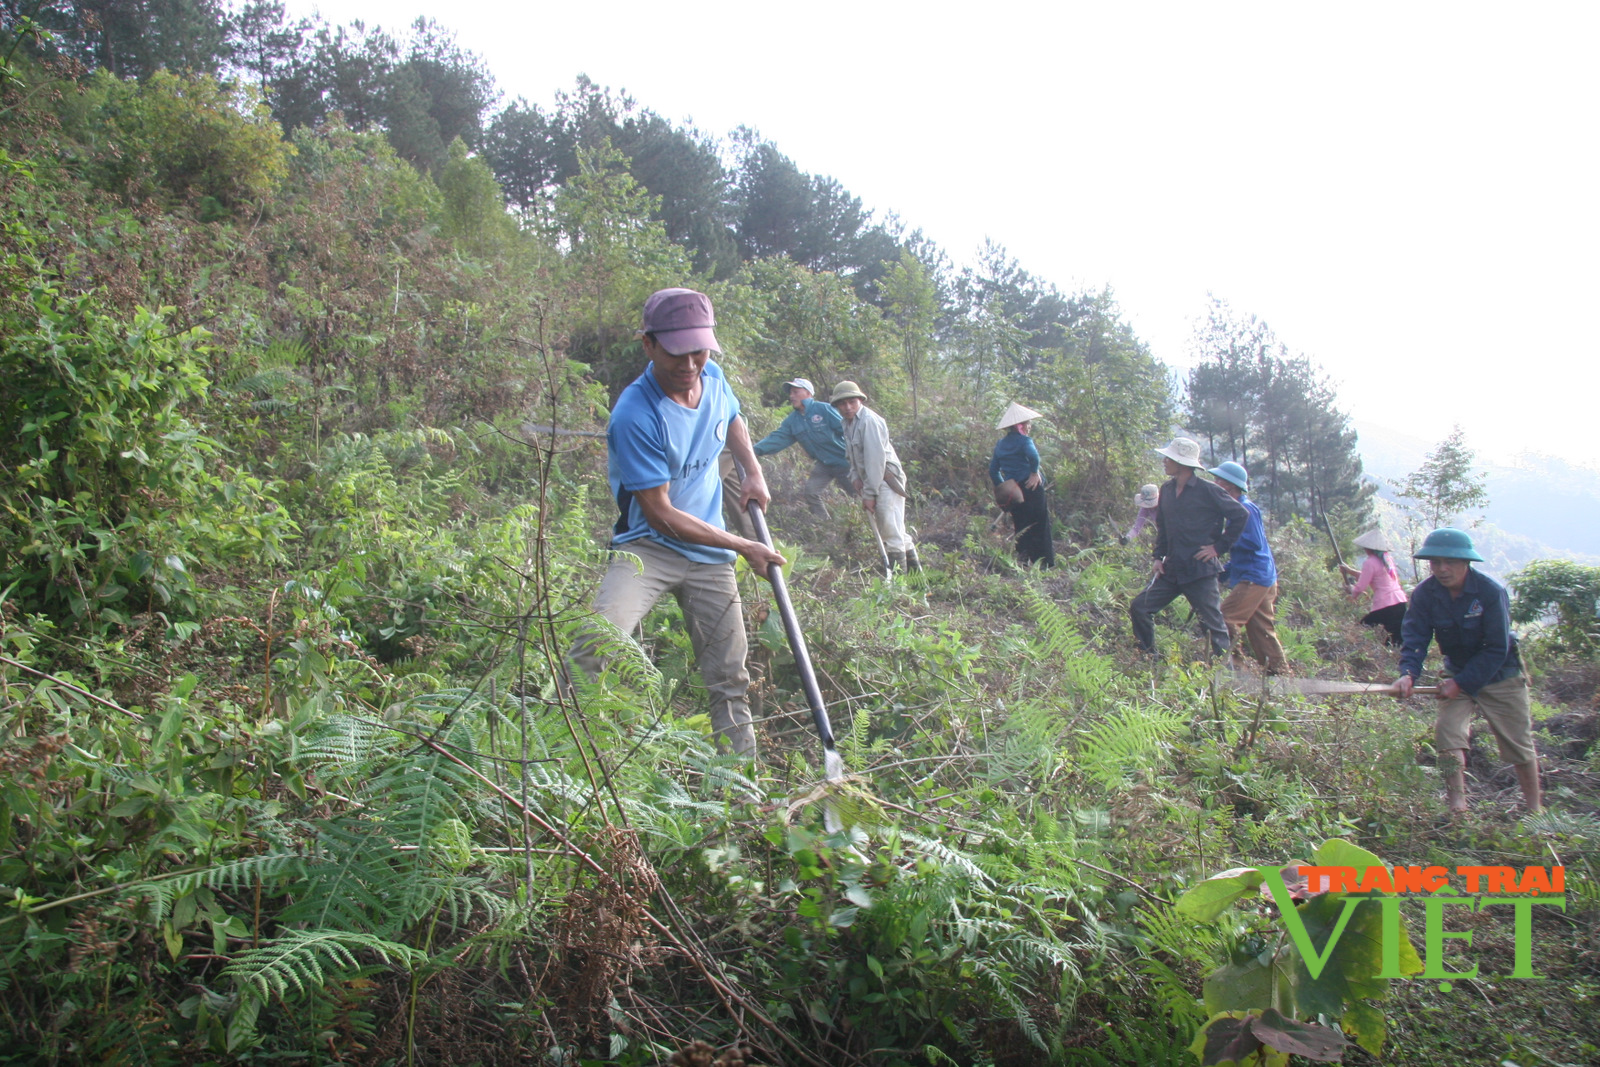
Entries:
{"x":1378,"y":574}
{"x":1019,"y":486}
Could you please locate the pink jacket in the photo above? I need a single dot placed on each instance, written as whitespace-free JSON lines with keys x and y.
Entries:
{"x":1378,"y":573}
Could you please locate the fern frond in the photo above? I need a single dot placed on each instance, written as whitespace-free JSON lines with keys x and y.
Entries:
{"x":1002,"y":990}
{"x":344,"y":740}
{"x":1111,"y":749}
{"x":235,"y":874}
{"x":1563,"y":823}
{"x":304,"y":959}
{"x":947,"y":856}
{"x":1060,"y":639}
{"x":1174,"y":994}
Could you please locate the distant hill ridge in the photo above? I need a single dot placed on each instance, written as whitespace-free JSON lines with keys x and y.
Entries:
{"x":1542,"y":506}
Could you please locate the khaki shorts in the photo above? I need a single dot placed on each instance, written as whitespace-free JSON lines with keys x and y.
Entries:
{"x":1505,"y":705}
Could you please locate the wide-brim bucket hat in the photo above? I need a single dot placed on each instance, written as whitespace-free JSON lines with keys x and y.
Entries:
{"x":1233,"y":473}
{"x":1148,"y":496}
{"x":1016,"y":413}
{"x":1449,"y":543}
{"x":1374,"y":540}
{"x":846,"y":390}
{"x":1182,"y":450}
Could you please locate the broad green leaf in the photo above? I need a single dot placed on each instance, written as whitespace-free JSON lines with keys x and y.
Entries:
{"x":1311,"y":1040}
{"x":1364,"y":1022}
{"x":1206,"y":900}
{"x":771,"y":635}
{"x":1244,"y":986}
{"x":173,"y":938}
{"x":1339,"y":853}
{"x":1352,"y":968}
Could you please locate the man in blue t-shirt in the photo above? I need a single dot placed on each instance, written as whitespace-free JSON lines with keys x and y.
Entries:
{"x":667,"y":430}
{"x":819,"y":429}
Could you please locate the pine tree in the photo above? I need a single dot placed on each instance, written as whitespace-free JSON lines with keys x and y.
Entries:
{"x":1253,"y":402}
{"x":1447,"y":485}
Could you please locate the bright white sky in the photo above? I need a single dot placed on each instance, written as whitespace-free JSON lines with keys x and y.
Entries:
{"x":1405,"y":192}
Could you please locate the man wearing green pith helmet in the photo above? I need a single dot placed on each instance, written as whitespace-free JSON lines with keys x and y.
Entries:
{"x":1469,"y":614}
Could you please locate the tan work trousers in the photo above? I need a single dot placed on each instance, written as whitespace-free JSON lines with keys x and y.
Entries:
{"x":1253,"y":609}
{"x":639,"y":574}
{"x":1505,"y":704}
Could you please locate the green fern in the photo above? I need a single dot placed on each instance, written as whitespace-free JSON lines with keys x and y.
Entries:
{"x":236,"y":874}
{"x":1059,"y":639}
{"x":1000,"y":986}
{"x":948,"y":857}
{"x":302,"y":960}
{"x":1128,"y":739}
{"x":1575,"y":824}
{"x":1062,"y":645}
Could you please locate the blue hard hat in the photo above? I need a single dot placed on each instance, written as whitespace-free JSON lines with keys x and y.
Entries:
{"x":1231,"y":472}
{"x":1448,"y":543}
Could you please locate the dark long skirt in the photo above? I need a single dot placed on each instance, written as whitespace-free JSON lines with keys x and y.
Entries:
{"x":1031,"y":517}
{"x":1390,"y":618}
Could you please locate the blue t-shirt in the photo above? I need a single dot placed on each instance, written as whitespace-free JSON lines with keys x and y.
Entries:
{"x":1250,"y":558}
{"x":653,"y":440}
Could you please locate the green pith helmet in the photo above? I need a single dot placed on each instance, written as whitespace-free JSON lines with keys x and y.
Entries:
{"x":1448,"y":543}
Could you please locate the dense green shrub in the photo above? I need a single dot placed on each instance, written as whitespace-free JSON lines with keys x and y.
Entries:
{"x":113,"y":494}
{"x":177,"y":139}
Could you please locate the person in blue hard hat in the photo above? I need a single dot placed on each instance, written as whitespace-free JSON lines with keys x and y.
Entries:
{"x":1469,"y":615}
{"x":818,"y":428}
{"x":1252,"y":579}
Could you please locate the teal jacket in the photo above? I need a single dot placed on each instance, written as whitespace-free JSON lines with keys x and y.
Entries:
{"x":819,"y":429}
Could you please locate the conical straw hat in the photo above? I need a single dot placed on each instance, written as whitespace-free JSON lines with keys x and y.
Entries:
{"x":1017,"y":413}
{"x":1374,"y":540}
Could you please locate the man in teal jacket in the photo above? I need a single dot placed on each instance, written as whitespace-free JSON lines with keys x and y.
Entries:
{"x":819,"y":429}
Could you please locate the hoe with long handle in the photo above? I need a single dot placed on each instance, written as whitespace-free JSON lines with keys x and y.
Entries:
{"x":833,"y":765}
{"x":883,"y":553}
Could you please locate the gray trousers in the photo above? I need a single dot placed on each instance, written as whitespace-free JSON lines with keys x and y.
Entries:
{"x":1202,"y":595}
{"x":817,"y":484}
{"x":708,"y":593}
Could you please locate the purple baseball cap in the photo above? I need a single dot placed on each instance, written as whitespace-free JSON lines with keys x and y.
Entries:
{"x":681,"y":321}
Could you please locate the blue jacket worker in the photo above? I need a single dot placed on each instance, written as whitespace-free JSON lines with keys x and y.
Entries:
{"x":1252,"y":579}
{"x":1196,"y":522}
{"x":1015,"y":463}
{"x":818,"y":428}
{"x":662,"y":445}
{"x":1469,"y":615}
